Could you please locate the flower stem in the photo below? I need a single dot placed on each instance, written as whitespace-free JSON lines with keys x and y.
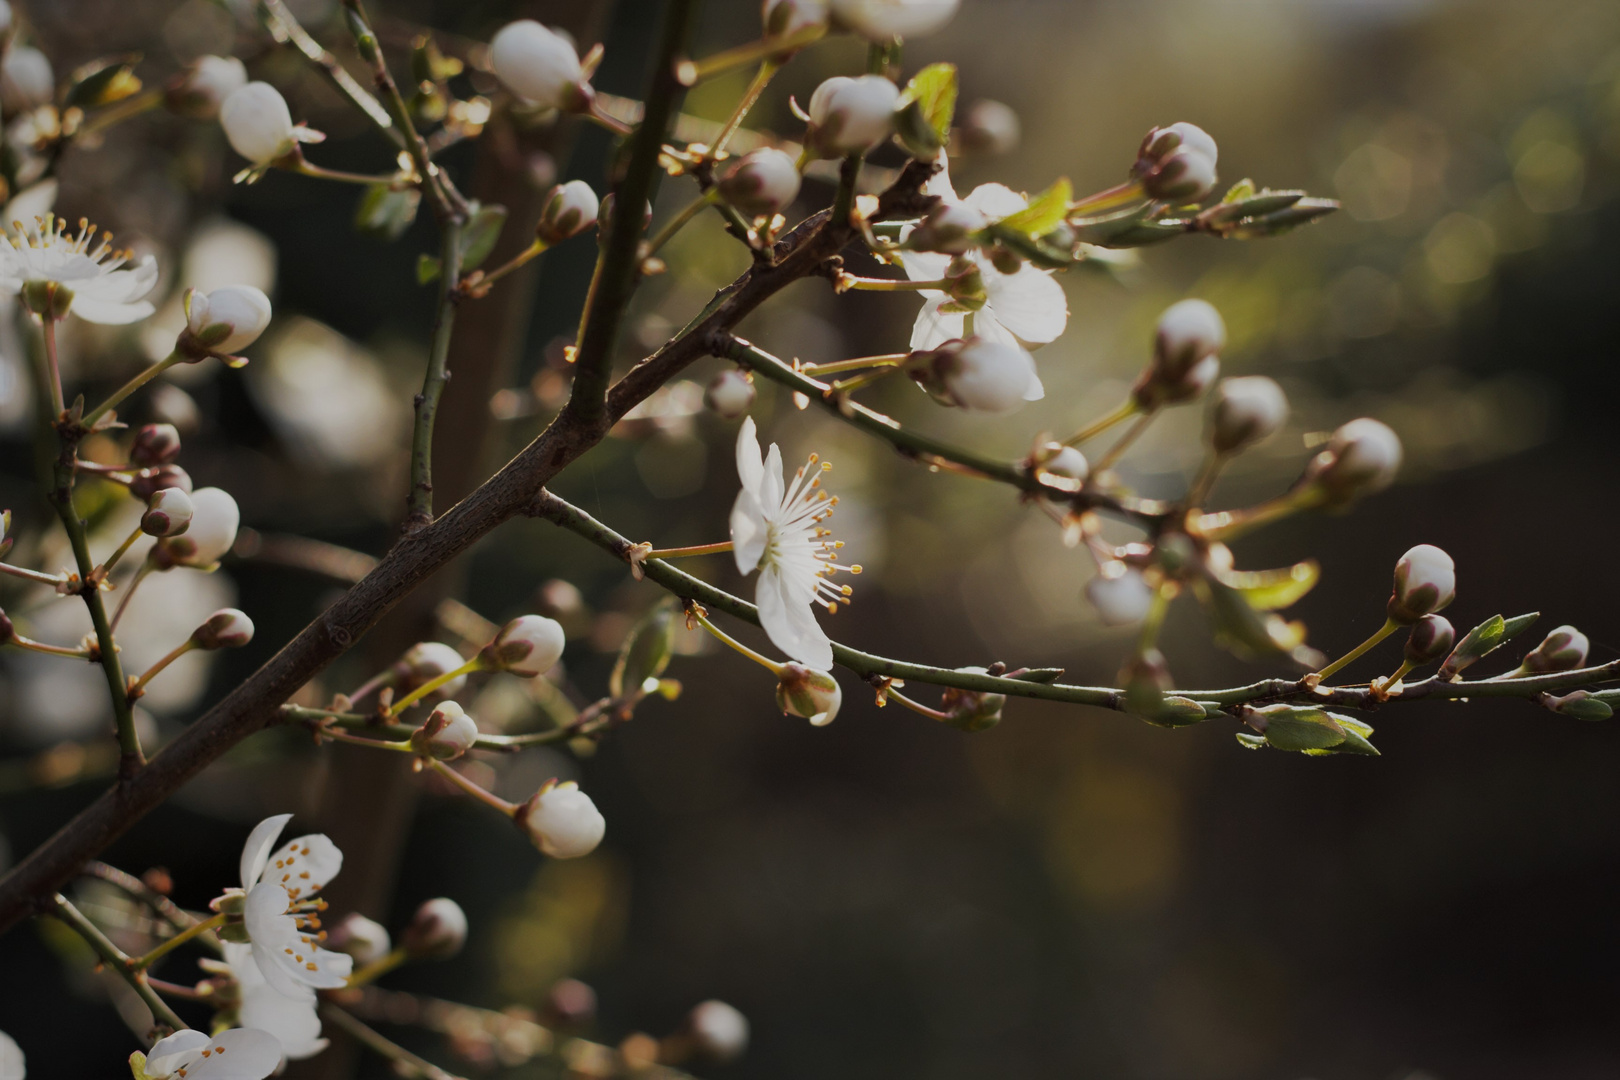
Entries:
{"x":488,"y":798}
{"x":113,"y":957}
{"x":742,"y":55}
{"x":762,"y":78}
{"x":686,"y":214}
{"x":915,"y":706}
{"x":475,"y":664}
{"x":1230,"y":524}
{"x":770,"y":665}
{"x":336,"y":735}
{"x":141,"y":963}
{"x":52,"y":367}
{"x":683,"y":552}
{"x":1208,"y":472}
{"x":129,"y":594}
{"x":138,"y":687}
{"x":35,"y":576}
{"x":1389,"y":627}
{"x":850,"y":281}
{"x":305,"y":168}
{"x":1383,"y":686}
{"x":420,"y":501}
{"x":50,"y":650}
{"x":140,"y":380}
{"x":378,"y":968}
{"x":120,"y":111}
{"x":408,"y":1063}
{"x":516,"y":262}
{"x":112,"y":561}
{"x":861,"y":382}
{"x":1126,"y":410}
{"x":1108,"y":199}
{"x":1117,"y":451}
{"x":856,"y":364}
{"x":603,"y":119}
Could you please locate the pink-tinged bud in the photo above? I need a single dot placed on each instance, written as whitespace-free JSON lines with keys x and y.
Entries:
{"x":214,"y":521}
{"x":761,"y":182}
{"x":1564,"y":649}
{"x":225,"y":321}
{"x":562,"y":821}
{"x":225,"y":629}
{"x":718,"y":1031}
{"x":529,"y":645}
{"x":1425,"y":582}
{"x":446,"y":734}
{"x":1362,"y":458}
{"x":851,"y":116}
{"x":361,"y":938}
{"x":988,"y":376}
{"x":806,"y":692}
{"x":438,"y":930}
{"x":1431,"y":638}
{"x":881,"y":21}
{"x":989,"y":128}
{"x":782,"y":18}
{"x":148,"y":481}
{"x":1120,"y":594}
{"x":1246,"y":410}
{"x":539,"y":65}
{"x":202,"y":88}
{"x":951,"y":228}
{"x":730,"y":394}
{"x":1186,"y":345}
{"x":258,"y":124}
{"x":1067,"y":462}
{"x":569,"y":1004}
{"x":424,"y":662}
{"x":570,"y":209}
{"x":154,"y":444}
{"x":1177,"y":163}
{"x":168,"y":513}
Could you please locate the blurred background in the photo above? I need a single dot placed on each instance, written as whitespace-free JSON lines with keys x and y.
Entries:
{"x":1073,"y":893}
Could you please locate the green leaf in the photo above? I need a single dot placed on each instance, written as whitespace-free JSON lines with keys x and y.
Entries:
{"x":1512,"y":628}
{"x":1045,"y":212}
{"x":1483,"y":640}
{"x":925,"y":108}
{"x":646,"y":652}
{"x":1239,"y":191}
{"x":1251,"y":742}
{"x":427,"y":269}
{"x":1269,"y":590}
{"x":1243,"y":629}
{"x":104,"y":81}
{"x":1174,"y":712}
{"x":478,"y":236}
{"x":137,"y":1066}
{"x":386,"y":211}
{"x":1290,"y":727}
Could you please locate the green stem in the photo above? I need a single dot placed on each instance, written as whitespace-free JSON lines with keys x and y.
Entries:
{"x":31,"y":645}
{"x":742,"y":55}
{"x":916,"y":706}
{"x":762,"y":78}
{"x":53,"y":368}
{"x":151,"y":372}
{"x":402,"y":746}
{"x":1389,"y":627}
{"x":141,"y":963}
{"x":771,"y":665}
{"x":861,"y":382}
{"x":475,"y":664}
{"x":113,"y":957}
{"x":285,"y":28}
{"x":129,"y":593}
{"x":405,"y":1061}
{"x":34,"y":576}
{"x":306,"y":168}
{"x":686,"y":214}
{"x":1126,"y":410}
{"x":419,"y":503}
{"x":1208,"y":472}
{"x":516,"y":262}
{"x":857,"y":364}
{"x":378,"y":968}
{"x":488,"y":798}
{"x":1107,"y":200}
{"x":138,"y":687}
{"x":112,"y":560}
{"x":119,"y":111}
{"x":1400,"y":673}
{"x":326,"y":719}
{"x":1117,"y":451}
{"x":1231,"y":524}
{"x":683,"y":552}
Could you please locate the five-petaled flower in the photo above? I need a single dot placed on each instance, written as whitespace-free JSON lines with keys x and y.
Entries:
{"x":776,"y":529}
{"x":281,"y":922}
{"x":91,"y":277}
{"x":291,"y":1018}
{"x":237,"y":1054}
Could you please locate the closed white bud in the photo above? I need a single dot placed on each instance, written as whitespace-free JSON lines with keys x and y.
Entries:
{"x":881,"y":21}
{"x":562,"y":821}
{"x":1425,"y":582}
{"x":437,"y":931}
{"x":26,"y":78}
{"x":950,"y":228}
{"x":781,"y":18}
{"x":1177,"y":163}
{"x":539,"y":65}
{"x":258,"y":124}
{"x":168,"y":513}
{"x":1161,"y":142}
{"x":529,"y":645}
{"x":215,"y":518}
{"x":570,"y":209}
{"x":718,"y":1031}
{"x":988,"y":376}
{"x":1361,"y":458}
{"x":851,"y":116}
{"x":806,"y":692}
{"x":989,"y":128}
{"x":1185,"y":361}
{"x":227,"y":628}
{"x":761,"y":182}
{"x":1247,"y":410}
{"x":362,"y":938}
{"x":226,"y":320}
{"x":447,"y":734}
{"x":730,"y":394}
{"x":203,"y":88}
{"x":1562,"y":650}
{"x":424,"y":662}
{"x":1067,"y":462}
{"x":1120,"y":594}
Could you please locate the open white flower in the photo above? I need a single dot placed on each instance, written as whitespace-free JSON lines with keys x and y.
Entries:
{"x":104,"y":289}
{"x":237,"y":1054}
{"x":776,"y":529}
{"x":1026,"y":308}
{"x":292,"y":1019}
{"x":13,"y":1066}
{"x":286,"y":945}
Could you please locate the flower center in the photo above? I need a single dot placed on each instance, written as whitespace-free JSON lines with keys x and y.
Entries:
{"x":797,"y":546}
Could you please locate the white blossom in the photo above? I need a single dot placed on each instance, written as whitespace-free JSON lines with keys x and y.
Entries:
{"x":1361,"y":458}
{"x":1069,"y":463}
{"x":1120,"y":594}
{"x":237,"y":1054}
{"x":168,"y":513}
{"x":106,"y":288}
{"x":814,"y":695}
{"x":228,"y":319}
{"x":776,"y":529}
{"x":286,"y":949}
{"x":291,"y":1018}
{"x":988,"y":376}
{"x":13,"y":1065}
{"x":730,"y":394}
{"x":781,"y":18}
{"x":881,"y":21}
{"x":537,"y":64}
{"x":364,"y":939}
{"x":228,"y":628}
{"x":209,"y":82}
{"x":851,"y":116}
{"x":259,"y":125}
{"x":720,"y":1031}
{"x":563,"y":821}
{"x":26,"y":78}
{"x":215,"y":518}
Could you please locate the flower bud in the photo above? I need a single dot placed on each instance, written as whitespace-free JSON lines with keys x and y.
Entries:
{"x":1177,"y":163}
{"x":730,"y":394}
{"x":562,"y":821}
{"x":989,"y":128}
{"x":850,"y":116}
{"x":424,"y":662}
{"x":1146,"y":680}
{"x":1425,"y":581}
{"x":760,"y":182}
{"x":214,"y":521}
{"x":806,"y":692}
{"x":1564,"y":649}
{"x":972,"y":710}
{"x":447,"y":734}
{"x":26,"y":79}
{"x":569,"y":1004}
{"x":227,"y":628}
{"x":168,"y":513}
{"x":881,"y":21}
{"x":437,"y":931}
{"x":950,"y":228}
{"x":1120,"y":594}
{"x":1362,"y":458}
{"x":1247,"y":410}
{"x":1185,"y":361}
{"x":361,"y":938}
{"x":155,"y":444}
{"x":570,"y":209}
{"x":1067,"y":462}
{"x":1431,"y":638}
{"x":1580,"y":704}
{"x":539,"y":65}
{"x":202,"y":88}
{"x":989,"y":376}
{"x":258,"y":124}
{"x":782,"y":18}
{"x":529,"y":645}
{"x":718,"y":1031}
{"x":157,"y":478}
{"x":225,"y":321}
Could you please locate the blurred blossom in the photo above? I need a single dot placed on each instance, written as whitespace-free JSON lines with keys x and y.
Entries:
{"x":220,"y":253}
{"x":1460,"y":248}
{"x":327,"y":397}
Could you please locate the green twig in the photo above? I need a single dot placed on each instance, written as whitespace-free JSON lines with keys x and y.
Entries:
{"x":113,"y":957}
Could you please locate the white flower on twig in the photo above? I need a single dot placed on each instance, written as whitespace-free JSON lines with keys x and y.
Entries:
{"x":237,"y":1054}
{"x":281,"y":922}
{"x":103,"y":288}
{"x":776,"y":529}
{"x":292,"y":1019}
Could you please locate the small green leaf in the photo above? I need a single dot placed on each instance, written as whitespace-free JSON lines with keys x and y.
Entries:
{"x":1289,"y":727}
{"x":646,"y":652}
{"x":104,"y":81}
{"x":386,"y":211}
{"x":1512,"y":628}
{"x":137,"y":1066}
{"x":1045,"y":212}
{"x":925,"y":109}
{"x":1242,"y":628}
{"x":427,"y":269}
{"x":1251,"y":742}
{"x":1483,"y":640}
{"x":478,"y":236}
{"x":1269,"y":590}
{"x":1239,"y":191}
{"x":1174,"y":712}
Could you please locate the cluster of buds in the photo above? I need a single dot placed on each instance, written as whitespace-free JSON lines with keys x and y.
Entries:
{"x":1177,"y":163}
{"x":540,"y":66}
{"x":222,"y":323}
{"x":570,"y":210}
{"x":976,"y":373}
{"x":1186,"y":355}
{"x":215,"y":518}
{"x":850,"y":116}
{"x":760,"y":183}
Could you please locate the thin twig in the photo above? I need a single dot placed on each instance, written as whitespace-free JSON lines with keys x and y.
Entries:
{"x":113,"y":957}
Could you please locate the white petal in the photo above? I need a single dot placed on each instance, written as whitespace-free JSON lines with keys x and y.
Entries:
{"x":924,"y":265}
{"x":237,"y":1054}
{"x":1029,"y":303}
{"x":13,"y":1065}
{"x":988,"y":327}
{"x":933,"y":329}
{"x":175,"y":1052}
{"x":748,"y":531}
{"x":304,"y":866}
{"x":790,"y":623}
{"x":750,"y":462}
{"x":105,"y":313}
{"x":996,"y":201}
{"x":256,"y":852}
{"x":940,"y":183}
{"x":292,"y":1020}
{"x":771,"y":489}
{"x":121,"y":286}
